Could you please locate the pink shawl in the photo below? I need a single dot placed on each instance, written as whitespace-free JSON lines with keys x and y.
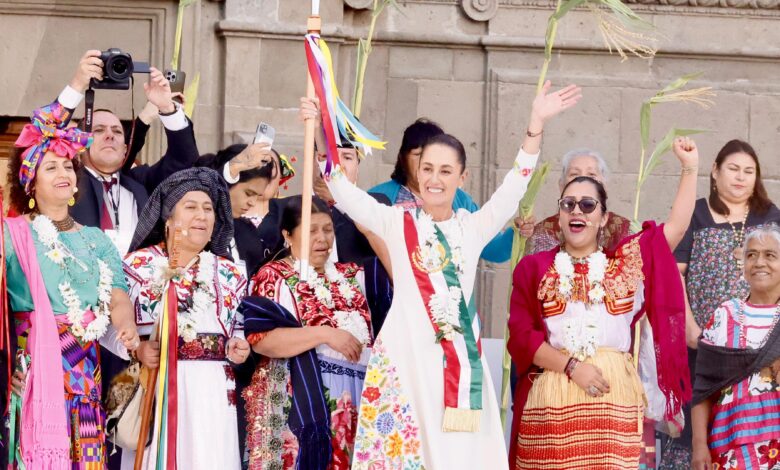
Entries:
{"x":44,"y":440}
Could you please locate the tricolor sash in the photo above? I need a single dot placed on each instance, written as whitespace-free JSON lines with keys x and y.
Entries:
{"x":463,"y":374}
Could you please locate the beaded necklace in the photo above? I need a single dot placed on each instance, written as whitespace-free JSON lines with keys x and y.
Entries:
{"x":739,"y":238}
{"x":743,"y":325}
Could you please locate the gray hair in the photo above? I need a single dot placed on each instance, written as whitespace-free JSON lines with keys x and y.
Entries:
{"x":760,"y":233}
{"x":583,"y":152}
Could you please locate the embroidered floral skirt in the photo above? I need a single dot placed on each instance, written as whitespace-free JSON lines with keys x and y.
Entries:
{"x":81,"y":376}
{"x":564,"y":428}
{"x":270,"y":443}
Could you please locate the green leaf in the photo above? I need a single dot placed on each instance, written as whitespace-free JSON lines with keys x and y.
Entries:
{"x":644,"y":123}
{"x":186,"y":3}
{"x":680,"y":82}
{"x":526,"y":207}
{"x":566,"y":6}
{"x":626,"y":15}
{"x":663,"y":147}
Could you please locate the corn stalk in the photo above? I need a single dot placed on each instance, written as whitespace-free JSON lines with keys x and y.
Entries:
{"x":191,"y":91}
{"x":670,"y":94}
{"x":518,"y":247}
{"x":622,"y":31}
{"x":364,"y":50}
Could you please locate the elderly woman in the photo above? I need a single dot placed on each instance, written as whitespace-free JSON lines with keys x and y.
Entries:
{"x":314,"y":345}
{"x":428,"y":400}
{"x":546,"y":235}
{"x":190,"y":211}
{"x":571,"y":313}
{"x":62,"y":303}
{"x":710,"y":254}
{"x":737,"y":389}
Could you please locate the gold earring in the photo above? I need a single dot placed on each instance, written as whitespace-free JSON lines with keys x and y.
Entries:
{"x":72,"y":201}
{"x":31,"y":203}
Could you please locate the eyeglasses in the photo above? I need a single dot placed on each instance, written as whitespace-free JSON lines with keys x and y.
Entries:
{"x":569,"y":203}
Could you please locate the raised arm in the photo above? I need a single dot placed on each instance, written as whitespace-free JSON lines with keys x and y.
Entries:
{"x":356,"y":203}
{"x":494,"y":214}
{"x":685,"y":201}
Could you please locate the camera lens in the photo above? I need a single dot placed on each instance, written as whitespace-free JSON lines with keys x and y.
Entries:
{"x":119,"y":67}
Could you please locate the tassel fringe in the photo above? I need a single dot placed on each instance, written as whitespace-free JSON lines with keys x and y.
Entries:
{"x":461,"y":420}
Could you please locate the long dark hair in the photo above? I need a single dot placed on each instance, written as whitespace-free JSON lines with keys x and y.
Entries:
{"x":415,"y":136}
{"x":18,"y":198}
{"x":217,"y":162}
{"x":602,"y":193}
{"x":759,"y":201}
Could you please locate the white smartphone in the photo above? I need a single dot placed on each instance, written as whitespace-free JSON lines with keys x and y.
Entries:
{"x":264,"y":133}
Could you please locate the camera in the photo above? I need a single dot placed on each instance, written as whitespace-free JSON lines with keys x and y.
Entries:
{"x":118,"y":67}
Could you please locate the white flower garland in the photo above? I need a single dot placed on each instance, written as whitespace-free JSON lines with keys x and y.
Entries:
{"x":57,"y":252}
{"x":353,"y":323}
{"x":203,"y":293}
{"x":581,"y":332}
{"x":445,"y":310}
{"x":432,"y":253}
{"x":350,"y":321}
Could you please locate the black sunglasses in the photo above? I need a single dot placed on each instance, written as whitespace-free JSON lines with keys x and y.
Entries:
{"x":587,"y":204}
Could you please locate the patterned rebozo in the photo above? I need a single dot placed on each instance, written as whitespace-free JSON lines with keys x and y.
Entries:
{"x":621,"y":281}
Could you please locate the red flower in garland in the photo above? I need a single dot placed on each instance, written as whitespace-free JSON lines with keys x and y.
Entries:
{"x":770,"y":453}
{"x":722,"y":461}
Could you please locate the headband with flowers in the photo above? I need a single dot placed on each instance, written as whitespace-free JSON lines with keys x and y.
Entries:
{"x":46,"y":133}
{"x":286,"y":168}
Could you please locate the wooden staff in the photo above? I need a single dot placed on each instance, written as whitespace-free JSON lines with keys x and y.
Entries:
{"x":148,"y":375}
{"x":313,"y":25}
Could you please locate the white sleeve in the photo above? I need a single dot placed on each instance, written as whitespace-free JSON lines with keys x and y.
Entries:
{"x":228,"y":177}
{"x":356,"y":203}
{"x":492,"y":217}
{"x":111,"y":341}
{"x":70,"y":98}
{"x":176,"y":121}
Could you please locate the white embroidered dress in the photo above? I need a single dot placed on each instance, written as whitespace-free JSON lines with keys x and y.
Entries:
{"x":402,"y":405}
{"x":207,"y":431}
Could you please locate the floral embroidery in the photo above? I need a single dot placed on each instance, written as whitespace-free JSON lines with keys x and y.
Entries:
{"x":205,"y":347}
{"x":769,"y":454}
{"x":343,"y":422}
{"x":621,"y":281}
{"x":269,"y":441}
{"x":388,"y":436}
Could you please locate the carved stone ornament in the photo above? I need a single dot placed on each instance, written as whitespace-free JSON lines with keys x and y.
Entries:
{"x":480,"y":10}
{"x":359,"y":4}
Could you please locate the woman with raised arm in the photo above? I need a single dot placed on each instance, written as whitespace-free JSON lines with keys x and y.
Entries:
{"x":427,"y":400}
{"x":580,"y":403}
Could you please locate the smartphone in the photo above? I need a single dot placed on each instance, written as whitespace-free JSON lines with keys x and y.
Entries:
{"x":264,"y":133}
{"x":176,"y":78}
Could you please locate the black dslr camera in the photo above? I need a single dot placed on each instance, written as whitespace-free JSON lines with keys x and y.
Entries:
{"x":118,"y":67}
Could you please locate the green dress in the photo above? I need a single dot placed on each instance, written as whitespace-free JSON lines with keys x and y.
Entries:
{"x":80,"y":359}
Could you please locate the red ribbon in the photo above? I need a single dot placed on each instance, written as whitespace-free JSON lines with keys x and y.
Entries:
{"x":327,"y":124}
{"x":173,"y":395}
{"x":424,"y":284}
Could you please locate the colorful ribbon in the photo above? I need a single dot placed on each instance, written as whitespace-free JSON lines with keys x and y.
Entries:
{"x":166,"y":415}
{"x":45,"y":133}
{"x":337,"y":120}
{"x":286,"y":168}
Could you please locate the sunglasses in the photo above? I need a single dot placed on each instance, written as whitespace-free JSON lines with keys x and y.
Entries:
{"x":569,"y":203}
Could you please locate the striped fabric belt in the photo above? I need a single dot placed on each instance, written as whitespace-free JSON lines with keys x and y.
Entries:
{"x":205,"y":347}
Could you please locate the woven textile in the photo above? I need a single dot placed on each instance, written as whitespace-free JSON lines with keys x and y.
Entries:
{"x":564,"y":428}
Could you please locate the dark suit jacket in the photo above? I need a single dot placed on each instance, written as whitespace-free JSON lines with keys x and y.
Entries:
{"x":249,"y":244}
{"x":141,"y":180}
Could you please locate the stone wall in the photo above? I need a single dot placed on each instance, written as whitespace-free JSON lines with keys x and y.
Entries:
{"x":471,"y":65}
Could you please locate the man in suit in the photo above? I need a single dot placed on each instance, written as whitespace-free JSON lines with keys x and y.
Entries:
{"x":111,"y":192}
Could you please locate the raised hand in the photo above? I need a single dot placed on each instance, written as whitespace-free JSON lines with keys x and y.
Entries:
{"x":253,"y":156}
{"x":158,"y":92}
{"x":686,"y":151}
{"x":309,"y":109}
{"x":90,"y":66}
{"x":547,"y":105}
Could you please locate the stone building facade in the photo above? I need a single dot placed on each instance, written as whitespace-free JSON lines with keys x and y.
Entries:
{"x":471,"y":65}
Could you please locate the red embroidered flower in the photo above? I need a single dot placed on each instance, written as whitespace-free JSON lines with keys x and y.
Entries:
{"x":770,"y":453}
{"x":371,"y":394}
{"x":289,"y":450}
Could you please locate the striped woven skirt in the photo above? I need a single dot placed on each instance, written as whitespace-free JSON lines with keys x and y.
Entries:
{"x":82,"y":394}
{"x":562,"y":427}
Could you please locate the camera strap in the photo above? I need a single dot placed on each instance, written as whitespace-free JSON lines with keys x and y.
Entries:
{"x":89,"y":108}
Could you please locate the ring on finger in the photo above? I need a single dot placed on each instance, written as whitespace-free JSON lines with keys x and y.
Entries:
{"x":593,"y":391}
